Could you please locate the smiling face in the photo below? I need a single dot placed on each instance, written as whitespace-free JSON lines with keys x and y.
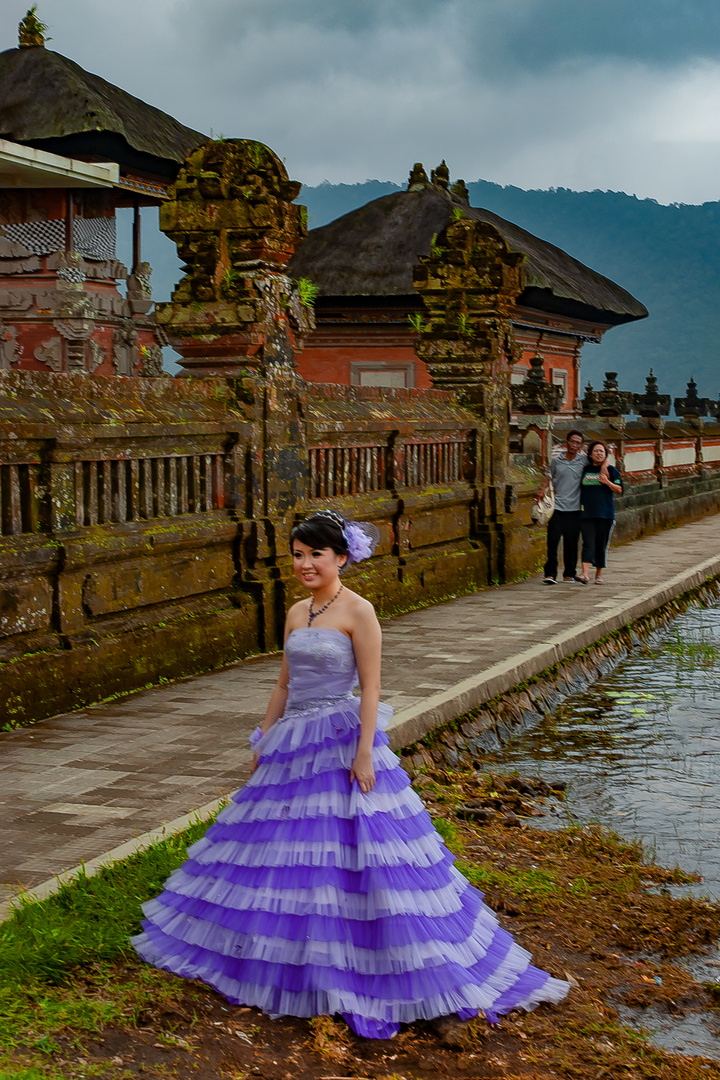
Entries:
{"x":316,"y":568}
{"x":598,"y":454}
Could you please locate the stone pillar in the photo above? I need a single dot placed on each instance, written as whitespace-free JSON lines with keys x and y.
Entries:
{"x":237,"y":314}
{"x":535,"y":402}
{"x":235,"y":225}
{"x":469,"y":284}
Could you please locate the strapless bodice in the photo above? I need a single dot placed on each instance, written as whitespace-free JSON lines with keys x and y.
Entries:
{"x":322,"y":665}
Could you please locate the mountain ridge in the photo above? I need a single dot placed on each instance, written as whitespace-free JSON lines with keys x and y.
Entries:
{"x":665,"y":255}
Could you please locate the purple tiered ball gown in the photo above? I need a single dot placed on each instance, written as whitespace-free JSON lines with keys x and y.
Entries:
{"x":307,"y":897}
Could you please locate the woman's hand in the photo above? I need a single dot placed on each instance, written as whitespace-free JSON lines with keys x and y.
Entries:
{"x":255,"y":763}
{"x":605,"y":479}
{"x":362,"y":771}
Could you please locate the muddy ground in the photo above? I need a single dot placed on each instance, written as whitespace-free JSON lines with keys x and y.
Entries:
{"x":588,"y":907}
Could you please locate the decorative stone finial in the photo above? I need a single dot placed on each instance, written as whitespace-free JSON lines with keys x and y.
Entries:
{"x":536,"y":372}
{"x":611,"y":401}
{"x":536,"y":395}
{"x":651,"y":403}
{"x":691,"y":405}
{"x":460,"y":191}
{"x":441,"y":175}
{"x":590,"y":403}
{"x":31,"y":31}
{"x":418,"y":178}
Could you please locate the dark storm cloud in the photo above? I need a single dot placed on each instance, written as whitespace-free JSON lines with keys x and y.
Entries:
{"x":621,"y":94}
{"x":525,"y":35}
{"x":534,"y":35}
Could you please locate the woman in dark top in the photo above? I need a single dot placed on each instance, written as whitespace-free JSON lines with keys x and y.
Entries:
{"x":600,"y":482}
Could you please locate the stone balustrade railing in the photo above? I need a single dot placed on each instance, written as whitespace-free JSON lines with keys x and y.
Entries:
{"x":144,"y":523}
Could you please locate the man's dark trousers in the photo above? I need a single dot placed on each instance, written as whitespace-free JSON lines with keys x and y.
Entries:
{"x":565,"y":524}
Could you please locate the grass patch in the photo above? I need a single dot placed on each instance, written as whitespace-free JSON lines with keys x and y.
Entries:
{"x":90,"y":918}
{"x":449,"y":832}
{"x":525,"y":883}
{"x":58,"y":958}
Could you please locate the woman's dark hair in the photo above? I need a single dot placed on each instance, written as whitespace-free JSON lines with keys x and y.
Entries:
{"x":594,"y":443}
{"x":321,"y":531}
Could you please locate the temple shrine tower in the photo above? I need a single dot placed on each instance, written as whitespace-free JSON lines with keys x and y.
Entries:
{"x":74,"y":148}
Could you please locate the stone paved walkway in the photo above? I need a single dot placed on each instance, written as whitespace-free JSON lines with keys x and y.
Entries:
{"x":93,"y":785}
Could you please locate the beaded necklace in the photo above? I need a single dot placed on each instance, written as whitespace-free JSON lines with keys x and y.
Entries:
{"x":312,"y":615}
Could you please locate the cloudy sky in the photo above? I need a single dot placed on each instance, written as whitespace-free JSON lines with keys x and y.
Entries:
{"x":609,"y":94}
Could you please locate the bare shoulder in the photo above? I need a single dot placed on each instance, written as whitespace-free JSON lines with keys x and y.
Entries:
{"x":359,"y":609}
{"x":297,"y":615}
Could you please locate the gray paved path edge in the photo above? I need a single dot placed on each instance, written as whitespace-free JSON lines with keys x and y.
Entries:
{"x":87,"y":789}
{"x":411,"y":724}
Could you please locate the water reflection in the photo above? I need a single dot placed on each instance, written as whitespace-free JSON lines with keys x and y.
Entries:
{"x":640,"y":750}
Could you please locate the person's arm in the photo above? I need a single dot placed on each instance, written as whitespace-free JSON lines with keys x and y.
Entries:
{"x":275,"y":709}
{"x":605,"y":479}
{"x":278,"y":698}
{"x":367,"y":643}
{"x":550,"y":477}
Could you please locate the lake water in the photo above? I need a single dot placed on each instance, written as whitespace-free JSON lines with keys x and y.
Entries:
{"x":640,"y":752}
{"x":640,"y":749}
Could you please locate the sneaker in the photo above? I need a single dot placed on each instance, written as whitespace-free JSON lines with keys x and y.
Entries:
{"x":549,"y":581}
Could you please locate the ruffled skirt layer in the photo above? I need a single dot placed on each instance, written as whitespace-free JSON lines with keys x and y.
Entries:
{"x":307,"y":897}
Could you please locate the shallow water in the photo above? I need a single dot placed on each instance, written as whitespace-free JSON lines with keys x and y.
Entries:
{"x":640,"y":751}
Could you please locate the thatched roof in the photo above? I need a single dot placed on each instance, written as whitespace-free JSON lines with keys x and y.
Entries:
{"x":50,"y":102}
{"x":371,"y":251}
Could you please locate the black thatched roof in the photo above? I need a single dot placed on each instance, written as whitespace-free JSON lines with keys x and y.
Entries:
{"x":51,"y":103}
{"x":371,"y":252}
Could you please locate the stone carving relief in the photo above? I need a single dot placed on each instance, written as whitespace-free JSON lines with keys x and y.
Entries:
{"x":151,"y":362}
{"x":139,"y":290}
{"x":96,"y":355}
{"x":10,"y":350}
{"x":76,"y":332}
{"x":51,"y":353}
{"x":124,"y":348}
{"x":74,"y":329}
{"x":30,"y":265}
{"x":72,"y":302}
{"x":279,"y":352}
{"x":16,"y":299}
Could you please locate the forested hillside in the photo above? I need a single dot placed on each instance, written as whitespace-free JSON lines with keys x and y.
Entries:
{"x":666,"y":256}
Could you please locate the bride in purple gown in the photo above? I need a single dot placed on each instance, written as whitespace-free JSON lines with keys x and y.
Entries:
{"x":322,"y":887}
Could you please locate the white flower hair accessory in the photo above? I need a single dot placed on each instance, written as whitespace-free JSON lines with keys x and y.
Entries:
{"x":362,"y":537}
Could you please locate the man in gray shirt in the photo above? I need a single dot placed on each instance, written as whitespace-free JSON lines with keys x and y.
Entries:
{"x":566,"y":474}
